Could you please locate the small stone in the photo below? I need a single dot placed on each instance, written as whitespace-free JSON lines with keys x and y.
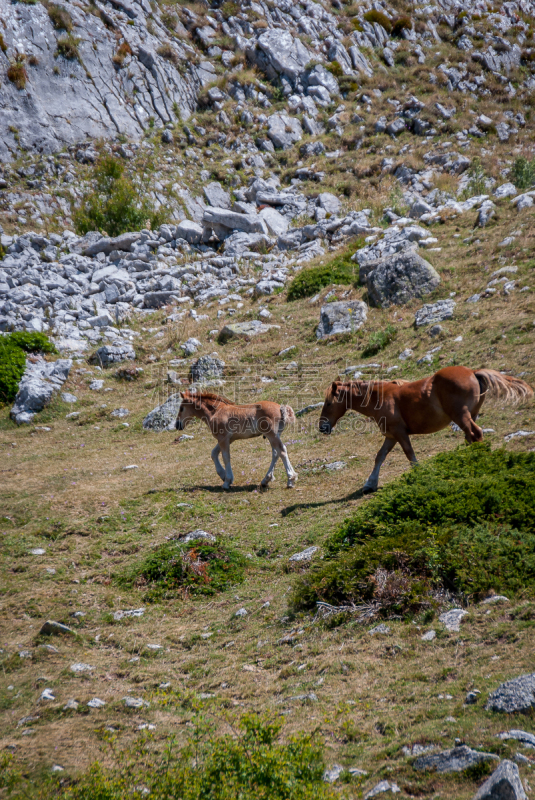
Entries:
{"x":135,"y":702}
{"x":56,"y":768}
{"x":495,"y":598}
{"x":455,"y":760}
{"x":51,"y":628}
{"x":429,"y":636}
{"x":47,"y":694}
{"x":96,"y":385}
{"x":68,"y":398}
{"x":37,"y":551}
{"x":134,"y":612}
{"x":241,"y":612}
{"x":304,"y":555}
{"x":198,"y":536}
{"x":520,"y":736}
{"x":472,"y":697}
{"x":381,"y":788}
{"x":81,"y":667}
{"x":517,"y":695}
{"x":406,"y":354}
{"x":96,"y":703}
{"x":331,"y":775}
{"x":129,"y":467}
{"x":120,"y":413}
{"x":71,"y":705}
{"x":452,"y":619}
{"x":381,"y":628}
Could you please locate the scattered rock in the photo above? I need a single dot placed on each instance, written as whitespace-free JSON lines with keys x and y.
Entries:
{"x":244,"y":330}
{"x":517,"y":695}
{"x":206,"y":368}
{"x":472,"y":697}
{"x":520,"y":736}
{"x":47,"y":694}
{"x":68,"y":398}
{"x":304,"y":555}
{"x":198,"y":536}
{"x":434,"y":312}
{"x":455,"y":760}
{"x":429,"y":636}
{"x":503,"y":784}
{"x":96,"y":702}
{"x":397,"y":279}
{"x":51,"y":628}
{"x":341,"y":317}
{"x":96,"y":385}
{"x":81,"y":667}
{"x":381,"y":628}
{"x":452,"y":619}
{"x":120,"y":413}
{"x":495,"y":598}
{"x":163,"y":418}
{"x":110,"y":354}
{"x":381,"y":788}
{"x":241,"y":612}
{"x":190,"y":346}
{"x":135,"y":702}
{"x":134,"y":612}
{"x":40,"y":381}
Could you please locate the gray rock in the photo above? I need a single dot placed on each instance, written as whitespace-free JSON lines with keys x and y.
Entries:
{"x":163,"y":417}
{"x":68,"y":398}
{"x":159,"y":299}
{"x":216,"y":195}
{"x":331,"y":775}
{"x":452,"y":619}
{"x":278,"y":52}
{"x":106,"y":245}
{"x":41,"y":380}
{"x":434,"y":312}
{"x":96,"y":702}
{"x":395,"y":127}
{"x":381,"y":628}
{"x":329,"y":203}
{"x":190,"y":231}
{"x":419,"y":208}
{"x":198,"y":536}
{"x":397,"y":279}
{"x":134,"y":612}
{"x":381,"y":788}
{"x":520,"y":736}
{"x":455,"y":760}
{"x":51,"y":628}
{"x":284,"y":131}
{"x":135,"y":702}
{"x":276,"y":223}
{"x":231,"y":220}
{"x":108,"y":354}
{"x":190,"y":346}
{"x":341,"y":317}
{"x":96,"y":385}
{"x":304,"y":555}
{"x":429,"y":636}
{"x":244,"y":330}
{"x":517,"y":695}
{"x":206,"y":368}
{"x":505,"y":190}
{"x":504,"y":131}
{"x":472,"y":697}
{"x":503,"y":784}
{"x":120,"y":413}
{"x":486,"y":212}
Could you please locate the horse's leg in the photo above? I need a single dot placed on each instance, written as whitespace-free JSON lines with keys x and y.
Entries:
{"x":270,"y":473}
{"x":464,"y":419}
{"x":217,"y":463}
{"x":373,"y":481}
{"x":277,"y":444}
{"x":403,"y":438}
{"x":229,"y":477}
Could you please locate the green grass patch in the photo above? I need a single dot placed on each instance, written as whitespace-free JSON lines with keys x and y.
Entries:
{"x":178,"y":569}
{"x":380,"y":18}
{"x":379,"y":340}
{"x":312,"y":280}
{"x":523,"y":173}
{"x":462,"y":522}
{"x":13,"y":349}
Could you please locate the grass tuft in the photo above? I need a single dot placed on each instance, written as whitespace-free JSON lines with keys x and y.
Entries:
{"x":379,"y":340}
{"x":312,"y":280}
{"x":13,"y":349}
{"x":60,"y":18}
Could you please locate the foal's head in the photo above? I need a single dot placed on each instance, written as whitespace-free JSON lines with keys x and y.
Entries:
{"x":335,"y":406}
{"x":189,"y":405}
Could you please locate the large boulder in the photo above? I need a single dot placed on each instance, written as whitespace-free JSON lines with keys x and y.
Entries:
{"x":455,"y":760}
{"x":163,"y":417}
{"x":232,"y":221}
{"x":41,"y":380}
{"x":503,"y":784}
{"x":276,"y":223}
{"x":513,"y":696}
{"x":397,"y":279}
{"x":343,"y":317}
{"x":190,"y":231}
{"x":283,"y":130}
{"x":277,"y":52}
{"x":431,"y":313}
{"x":109,"y":354}
{"x":207,"y":368}
{"x":216,"y":195}
{"x":107,"y":244}
{"x":244,"y":330}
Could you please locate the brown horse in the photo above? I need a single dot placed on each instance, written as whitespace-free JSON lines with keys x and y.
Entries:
{"x":228,"y":422}
{"x":403,"y":408}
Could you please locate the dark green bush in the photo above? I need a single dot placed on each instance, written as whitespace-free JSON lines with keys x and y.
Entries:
{"x":523,"y":173}
{"x":116,"y":204}
{"x":13,"y":349}
{"x":400,"y":24}
{"x":463,"y":521}
{"x":380,"y":18}
{"x":379,"y":340}
{"x":252,"y":764}
{"x":174,"y":568}
{"x":310,"y":281}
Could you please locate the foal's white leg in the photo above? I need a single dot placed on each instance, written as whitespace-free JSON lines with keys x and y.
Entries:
{"x":269,"y":474}
{"x":217,"y":463}
{"x":373,"y":481}
{"x":229,"y":477}
{"x":290,"y":472}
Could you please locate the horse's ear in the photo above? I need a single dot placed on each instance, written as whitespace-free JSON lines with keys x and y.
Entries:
{"x":181,"y":395}
{"x":334,"y":388}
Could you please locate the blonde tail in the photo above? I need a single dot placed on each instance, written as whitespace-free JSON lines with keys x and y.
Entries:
{"x":512,"y":390}
{"x":287,"y":416}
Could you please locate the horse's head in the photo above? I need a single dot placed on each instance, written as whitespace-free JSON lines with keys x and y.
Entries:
{"x":335,"y":406}
{"x":186,"y":411}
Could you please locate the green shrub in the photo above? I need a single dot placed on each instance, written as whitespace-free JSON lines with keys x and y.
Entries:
{"x":174,"y":568}
{"x":335,"y":68}
{"x":67,"y":46}
{"x":249,"y":765}
{"x":13,"y":349}
{"x":523,"y":173}
{"x":310,"y":281}
{"x":379,"y":340}
{"x":477,"y":183}
{"x":380,"y":18}
{"x":60,"y":17}
{"x":463,"y":521}
{"x":116,"y":204}
{"x":16,"y":72}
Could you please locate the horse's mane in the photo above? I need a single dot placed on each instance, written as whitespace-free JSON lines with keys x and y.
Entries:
{"x":362,"y":385}
{"x":211,"y":396}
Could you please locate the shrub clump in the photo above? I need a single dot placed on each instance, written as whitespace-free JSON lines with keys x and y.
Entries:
{"x":13,"y":349}
{"x":169,"y":53}
{"x":116,"y":204}
{"x":379,"y":340}
{"x":400,"y":24}
{"x":523,"y":173}
{"x":67,"y":46}
{"x":119,"y":56}
{"x":253,"y":764}
{"x":16,"y":72}
{"x":380,"y":18}
{"x":310,"y":281}
{"x":462,"y":522}
{"x":174,"y":568}
{"x":60,"y":18}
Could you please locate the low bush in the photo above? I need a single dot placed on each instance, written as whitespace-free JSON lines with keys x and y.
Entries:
{"x":310,"y":281}
{"x":380,"y":18}
{"x":250,"y":764}
{"x":13,"y":349}
{"x":16,"y":72}
{"x":60,"y":17}
{"x":116,"y":204}
{"x":400,"y":24}
{"x":67,"y":46}
{"x":335,"y":68}
{"x":462,"y":522}
{"x":174,"y":568}
{"x":379,"y":340}
{"x":523,"y":173}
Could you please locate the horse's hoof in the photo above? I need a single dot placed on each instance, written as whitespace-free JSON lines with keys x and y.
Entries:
{"x":369,"y":488}
{"x":226,"y":486}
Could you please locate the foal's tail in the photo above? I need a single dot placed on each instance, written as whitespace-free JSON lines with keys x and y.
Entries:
{"x":493,"y":383}
{"x":287,"y":416}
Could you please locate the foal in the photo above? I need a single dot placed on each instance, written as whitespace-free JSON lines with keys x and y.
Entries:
{"x":416,"y":407}
{"x":228,"y":422}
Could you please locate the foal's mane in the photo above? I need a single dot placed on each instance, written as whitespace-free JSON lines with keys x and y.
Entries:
{"x":210,"y":396}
